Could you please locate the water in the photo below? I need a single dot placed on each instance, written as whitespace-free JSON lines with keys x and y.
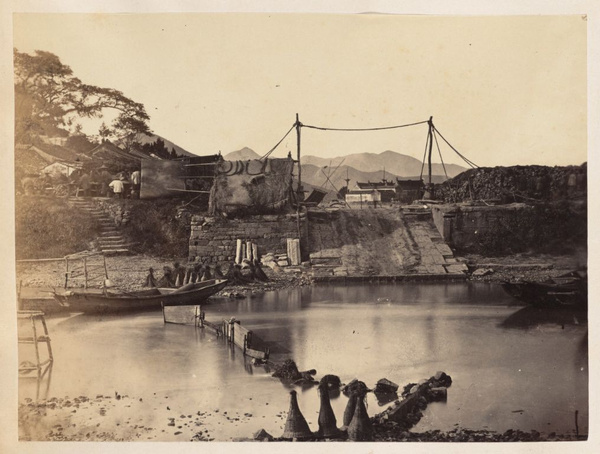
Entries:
{"x":512,"y":367}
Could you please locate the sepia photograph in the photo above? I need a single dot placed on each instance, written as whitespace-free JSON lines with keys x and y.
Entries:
{"x":253,"y":226}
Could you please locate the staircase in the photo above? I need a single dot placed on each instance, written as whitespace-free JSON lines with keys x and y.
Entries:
{"x":110,"y":241}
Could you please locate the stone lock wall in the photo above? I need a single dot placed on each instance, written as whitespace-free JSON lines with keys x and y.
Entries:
{"x":213,"y":240}
{"x":464,"y":227}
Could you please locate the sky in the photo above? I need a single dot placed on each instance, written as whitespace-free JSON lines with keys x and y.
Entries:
{"x":503,"y":90}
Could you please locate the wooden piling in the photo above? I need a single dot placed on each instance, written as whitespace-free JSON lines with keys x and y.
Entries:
{"x":238,"y":251}
{"x":249,"y":250}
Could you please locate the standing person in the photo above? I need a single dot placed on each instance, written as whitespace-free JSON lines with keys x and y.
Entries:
{"x":136,"y":180}
{"x":104,"y":178}
{"x":117,"y":186}
{"x":84,"y":184}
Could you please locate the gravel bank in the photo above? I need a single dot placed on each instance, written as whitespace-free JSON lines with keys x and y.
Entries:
{"x":129,"y":273}
{"x":125,"y":418}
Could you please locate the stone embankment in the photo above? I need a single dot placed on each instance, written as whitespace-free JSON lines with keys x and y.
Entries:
{"x":214,"y":240}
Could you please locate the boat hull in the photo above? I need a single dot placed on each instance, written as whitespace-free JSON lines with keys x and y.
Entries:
{"x":540,"y":294}
{"x":89,"y":302}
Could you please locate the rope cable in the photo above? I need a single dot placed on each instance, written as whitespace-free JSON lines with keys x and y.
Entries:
{"x":424,"y":156}
{"x":266,"y":155}
{"x":471,"y":163}
{"x":363,"y":129}
{"x":440,"y":153}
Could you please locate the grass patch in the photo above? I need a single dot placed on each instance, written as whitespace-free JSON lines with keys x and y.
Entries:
{"x":48,"y":227}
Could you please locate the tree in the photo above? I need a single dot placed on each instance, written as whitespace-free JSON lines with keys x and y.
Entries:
{"x":49,"y":100}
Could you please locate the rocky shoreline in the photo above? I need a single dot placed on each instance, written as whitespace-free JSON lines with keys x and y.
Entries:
{"x":116,"y":418}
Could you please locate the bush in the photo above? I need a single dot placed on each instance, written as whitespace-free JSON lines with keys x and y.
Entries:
{"x":155,"y":228}
{"x":48,"y":227}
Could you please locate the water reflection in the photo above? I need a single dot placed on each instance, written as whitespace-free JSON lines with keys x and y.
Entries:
{"x":529,"y":317}
{"x":402,"y":332}
{"x":42,"y":382}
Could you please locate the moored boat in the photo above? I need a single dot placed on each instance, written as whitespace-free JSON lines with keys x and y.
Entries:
{"x":104,"y":301}
{"x":569,"y":290}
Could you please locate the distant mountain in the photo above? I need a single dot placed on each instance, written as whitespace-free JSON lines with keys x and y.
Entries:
{"x":327,"y":177}
{"x":242,"y":155}
{"x":151,"y":138}
{"x":393,"y":162}
{"x":322,"y":172}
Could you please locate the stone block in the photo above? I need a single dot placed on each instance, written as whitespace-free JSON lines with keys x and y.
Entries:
{"x":457,"y":268}
{"x":444,"y":249}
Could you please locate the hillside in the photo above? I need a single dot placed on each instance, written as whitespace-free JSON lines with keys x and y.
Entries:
{"x":393,"y":162}
{"x":151,"y":138}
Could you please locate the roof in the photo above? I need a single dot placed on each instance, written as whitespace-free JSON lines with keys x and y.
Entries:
{"x":361,"y":191}
{"x":48,"y":152}
{"x":109,"y":151}
{"x":58,"y":152}
{"x":29,"y":160}
{"x":382,"y":185}
{"x":410,"y":184}
{"x":138,"y":154}
{"x":70,"y":164}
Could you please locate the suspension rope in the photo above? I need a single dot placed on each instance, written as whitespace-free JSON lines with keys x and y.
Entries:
{"x":362,"y":129}
{"x":424,"y":156}
{"x":471,"y":163}
{"x":266,"y":155}
{"x":440,"y":153}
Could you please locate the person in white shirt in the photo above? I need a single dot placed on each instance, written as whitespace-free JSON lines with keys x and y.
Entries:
{"x":117,"y":186}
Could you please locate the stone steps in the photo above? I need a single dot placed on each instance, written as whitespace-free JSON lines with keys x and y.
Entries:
{"x":437,"y":257}
{"x":110,"y":241}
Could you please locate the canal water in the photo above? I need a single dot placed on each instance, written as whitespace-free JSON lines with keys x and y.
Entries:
{"x":512,"y":367}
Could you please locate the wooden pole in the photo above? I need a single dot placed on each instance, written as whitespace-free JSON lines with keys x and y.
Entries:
{"x":238,"y":251}
{"x":35,"y":343}
{"x":430,"y":134}
{"x":66,"y":272}
{"x":300,"y":191}
{"x":85,"y":272}
{"x":105,"y":268}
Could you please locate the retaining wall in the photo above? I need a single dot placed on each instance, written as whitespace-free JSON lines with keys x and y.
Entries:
{"x":213,"y":240}
{"x":463,"y":226}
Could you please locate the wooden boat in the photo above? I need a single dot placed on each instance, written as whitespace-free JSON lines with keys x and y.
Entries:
{"x":104,"y":301}
{"x":569,"y":290}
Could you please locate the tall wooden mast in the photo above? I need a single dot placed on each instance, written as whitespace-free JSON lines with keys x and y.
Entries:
{"x":430,"y":134}
{"x":300,"y":190}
